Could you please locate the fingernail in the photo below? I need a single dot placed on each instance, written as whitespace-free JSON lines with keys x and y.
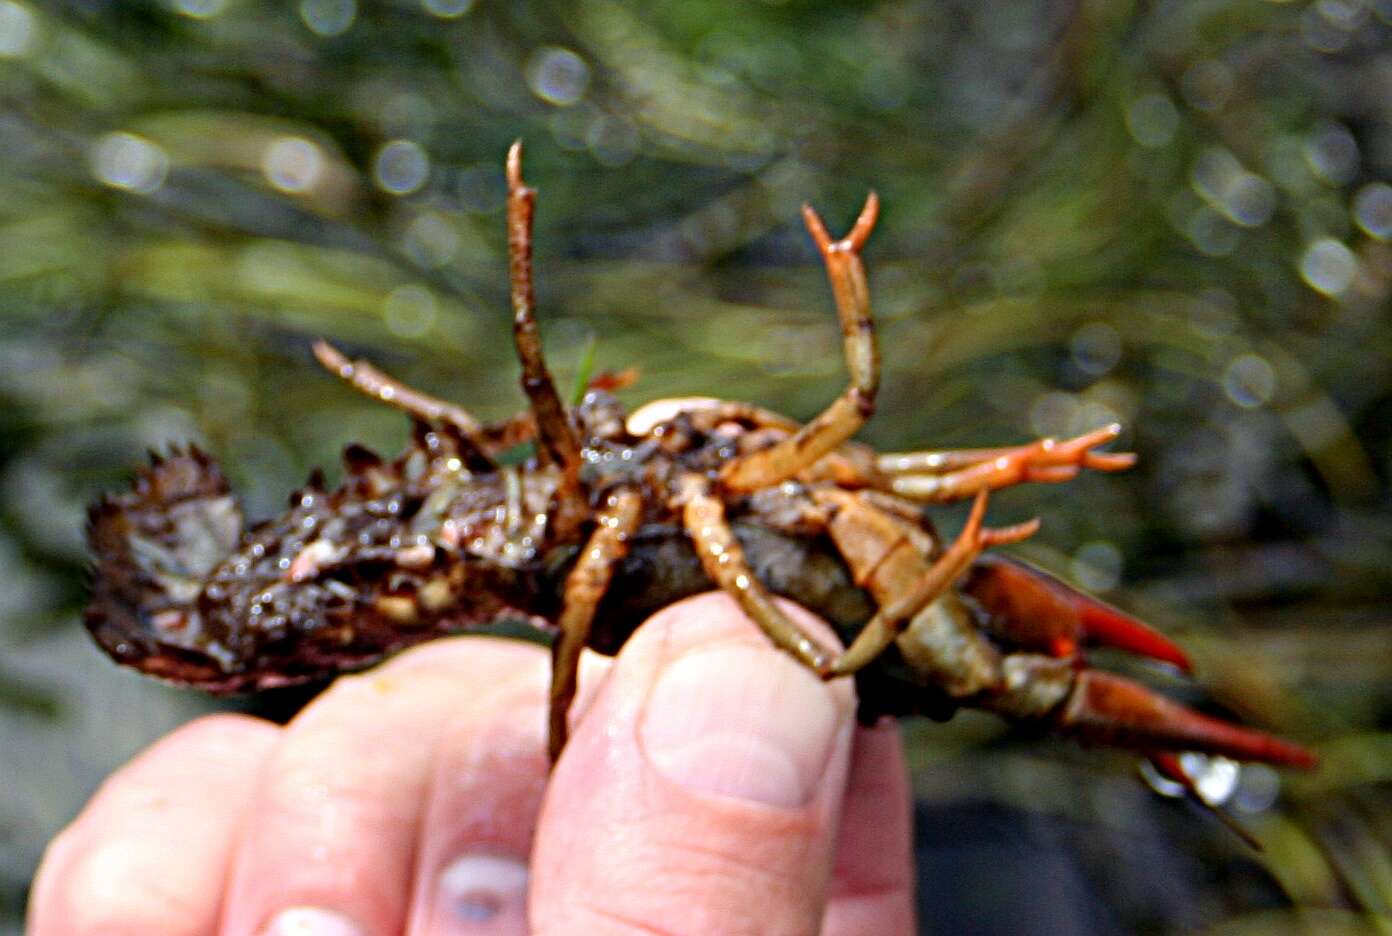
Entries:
{"x":741,"y":722}
{"x":481,"y":893}
{"x":310,"y":921}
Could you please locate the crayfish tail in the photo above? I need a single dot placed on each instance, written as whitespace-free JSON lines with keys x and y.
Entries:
{"x":155,"y":545}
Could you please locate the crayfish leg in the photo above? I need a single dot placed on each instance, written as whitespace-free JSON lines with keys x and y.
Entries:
{"x":844,"y":417}
{"x":895,"y":616}
{"x":722,"y":557}
{"x":558,"y":443}
{"x":937,"y":477}
{"x":362,"y":376}
{"x":584,"y":589}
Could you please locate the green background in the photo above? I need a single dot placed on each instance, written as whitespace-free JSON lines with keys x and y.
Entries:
{"x":1174,"y":214}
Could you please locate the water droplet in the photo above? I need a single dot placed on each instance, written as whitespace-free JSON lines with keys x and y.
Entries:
{"x":1249,"y":381}
{"x":557,"y":76}
{"x":401,"y":167}
{"x":292,"y":164}
{"x":126,"y":161}
{"x":1327,"y":266}
{"x":328,"y":18}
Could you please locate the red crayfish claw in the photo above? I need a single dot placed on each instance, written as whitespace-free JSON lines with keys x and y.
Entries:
{"x":1030,"y":608}
{"x":1026,"y":608}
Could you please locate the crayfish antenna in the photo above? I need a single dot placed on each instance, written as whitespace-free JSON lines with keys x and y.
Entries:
{"x":1030,"y":607}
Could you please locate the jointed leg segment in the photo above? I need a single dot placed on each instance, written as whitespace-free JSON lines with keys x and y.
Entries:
{"x":891,"y":619}
{"x":703,"y":515}
{"x":584,"y":589}
{"x":557,"y":443}
{"x":366,"y":378}
{"x":848,"y":413}
{"x":936,"y":477}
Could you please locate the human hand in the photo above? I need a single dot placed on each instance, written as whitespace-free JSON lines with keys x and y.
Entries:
{"x":711,"y":785}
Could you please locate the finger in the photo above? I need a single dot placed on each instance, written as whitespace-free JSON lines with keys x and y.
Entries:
{"x":486,"y":787}
{"x":702,"y":789}
{"x":872,"y":879}
{"x":150,"y":852}
{"x":332,"y":835}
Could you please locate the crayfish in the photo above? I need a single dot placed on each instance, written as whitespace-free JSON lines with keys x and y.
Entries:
{"x":614,"y":516}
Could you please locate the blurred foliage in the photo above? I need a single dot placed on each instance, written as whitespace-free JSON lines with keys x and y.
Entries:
{"x":1171,"y":213}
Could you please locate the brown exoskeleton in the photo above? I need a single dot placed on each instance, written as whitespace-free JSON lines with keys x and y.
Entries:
{"x":614,"y":516}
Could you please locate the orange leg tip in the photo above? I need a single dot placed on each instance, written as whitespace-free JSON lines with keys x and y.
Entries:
{"x":1107,"y":709}
{"x":816,"y":228}
{"x":514,"y":165}
{"x":1011,"y":534}
{"x":1109,"y":461}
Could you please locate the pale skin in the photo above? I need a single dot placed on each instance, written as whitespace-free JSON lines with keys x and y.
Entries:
{"x":711,"y":784}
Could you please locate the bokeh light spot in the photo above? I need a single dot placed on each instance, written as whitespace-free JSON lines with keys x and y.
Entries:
{"x":1332,"y":153}
{"x":126,"y":161}
{"x":1152,"y":120}
{"x":1095,"y":348}
{"x":1215,"y":777}
{"x":1328,"y":267}
{"x":401,"y":167}
{"x":1207,"y":85}
{"x":447,"y":9}
{"x":1249,"y":200}
{"x":292,"y":164}
{"x":1090,"y":414}
{"x":480,"y":188}
{"x":431,"y":240}
{"x":1211,"y":232}
{"x":18,"y":29}
{"x":1249,"y":381}
{"x":1259,"y":789}
{"x":328,"y":18}
{"x":1053,"y":413}
{"x":1372,"y":209}
{"x":613,"y":141}
{"x":410,"y":311}
{"x":200,"y":9}
{"x":557,"y":76}
{"x":1097,"y":565}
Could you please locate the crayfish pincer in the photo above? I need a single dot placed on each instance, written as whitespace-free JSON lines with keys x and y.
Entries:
{"x":615,"y":515}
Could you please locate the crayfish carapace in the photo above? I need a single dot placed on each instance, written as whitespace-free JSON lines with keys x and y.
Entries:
{"x":614,"y":516}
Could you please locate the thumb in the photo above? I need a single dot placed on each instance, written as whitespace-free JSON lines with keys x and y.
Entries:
{"x":701,"y":791}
